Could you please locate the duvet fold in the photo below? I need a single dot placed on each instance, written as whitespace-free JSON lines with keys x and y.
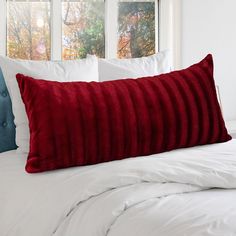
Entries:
{"x":92,"y":200}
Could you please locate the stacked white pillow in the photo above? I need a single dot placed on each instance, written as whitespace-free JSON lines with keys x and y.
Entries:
{"x":77,"y":70}
{"x":89,"y":69}
{"x":112,"y":69}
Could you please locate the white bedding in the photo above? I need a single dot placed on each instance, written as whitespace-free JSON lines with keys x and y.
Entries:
{"x":188,"y":192}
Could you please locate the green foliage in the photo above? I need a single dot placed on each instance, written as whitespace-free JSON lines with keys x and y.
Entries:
{"x":86,"y":32}
{"x":137,"y":22}
{"x":83,"y":29}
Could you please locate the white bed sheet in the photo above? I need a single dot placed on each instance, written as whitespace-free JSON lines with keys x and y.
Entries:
{"x":183,"y":192}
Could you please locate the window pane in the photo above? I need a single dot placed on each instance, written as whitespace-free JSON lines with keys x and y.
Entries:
{"x":83,"y":29}
{"x":136,"y":33}
{"x":28,"y":30}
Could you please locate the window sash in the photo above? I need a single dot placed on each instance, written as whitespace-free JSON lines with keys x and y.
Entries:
{"x":167,"y":36}
{"x":56,"y":30}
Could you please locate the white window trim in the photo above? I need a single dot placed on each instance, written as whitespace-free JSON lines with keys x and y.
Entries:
{"x":168,"y":28}
{"x":3,"y":27}
{"x":111,"y":26}
{"x":56,"y":30}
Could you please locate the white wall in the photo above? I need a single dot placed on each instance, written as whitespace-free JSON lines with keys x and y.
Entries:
{"x":209,"y":26}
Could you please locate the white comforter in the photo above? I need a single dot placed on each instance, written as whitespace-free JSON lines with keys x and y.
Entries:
{"x":185,"y":192}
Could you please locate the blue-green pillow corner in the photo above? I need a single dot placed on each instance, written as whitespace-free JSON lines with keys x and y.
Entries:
{"x":7,"y":126}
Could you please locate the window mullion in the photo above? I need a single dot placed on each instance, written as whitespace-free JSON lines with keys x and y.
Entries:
{"x":3,"y":23}
{"x":56,"y":30}
{"x":157,"y":25}
{"x":170,"y":29}
{"x":111,"y":27}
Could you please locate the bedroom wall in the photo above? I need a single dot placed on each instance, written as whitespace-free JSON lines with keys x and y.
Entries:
{"x":209,"y":26}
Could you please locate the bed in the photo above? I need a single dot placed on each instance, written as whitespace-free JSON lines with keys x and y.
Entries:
{"x":189,"y":191}
{"x":182,"y":192}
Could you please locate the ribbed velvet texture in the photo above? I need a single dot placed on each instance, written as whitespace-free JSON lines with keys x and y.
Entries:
{"x":80,"y":123}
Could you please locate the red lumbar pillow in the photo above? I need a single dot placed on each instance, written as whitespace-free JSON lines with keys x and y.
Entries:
{"x":83,"y":123}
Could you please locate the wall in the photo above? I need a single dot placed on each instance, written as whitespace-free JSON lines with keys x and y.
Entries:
{"x":209,"y":26}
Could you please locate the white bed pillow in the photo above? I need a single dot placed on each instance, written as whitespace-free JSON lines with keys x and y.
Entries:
{"x":76,"y":70}
{"x":113,"y":69}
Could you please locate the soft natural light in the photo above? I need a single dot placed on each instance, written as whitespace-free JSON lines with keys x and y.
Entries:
{"x":82,"y":28}
{"x":40,"y":23}
{"x":28,"y":30}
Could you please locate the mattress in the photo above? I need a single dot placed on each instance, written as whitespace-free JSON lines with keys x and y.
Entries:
{"x":183,"y":192}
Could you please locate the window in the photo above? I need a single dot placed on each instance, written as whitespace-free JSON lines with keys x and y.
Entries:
{"x":70,"y":29}
{"x":63,"y":36}
{"x":28,"y":30}
{"x":136,"y":28}
{"x":83,"y":29}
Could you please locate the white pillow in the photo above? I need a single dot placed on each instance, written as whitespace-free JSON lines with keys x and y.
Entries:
{"x":77,"y":70}
{"x":112,"y":69}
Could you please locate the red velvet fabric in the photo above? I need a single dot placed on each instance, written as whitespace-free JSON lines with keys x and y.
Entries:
{"x":80,"y":123}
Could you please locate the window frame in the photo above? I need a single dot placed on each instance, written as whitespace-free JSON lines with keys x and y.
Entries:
{"x":168,"y":28}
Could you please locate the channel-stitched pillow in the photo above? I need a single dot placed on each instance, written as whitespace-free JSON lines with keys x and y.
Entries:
{"x":71,"y":70}
{"x":83,"y":123}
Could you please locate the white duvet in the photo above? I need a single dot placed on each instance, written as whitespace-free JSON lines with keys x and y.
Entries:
{"x":188,"y":192}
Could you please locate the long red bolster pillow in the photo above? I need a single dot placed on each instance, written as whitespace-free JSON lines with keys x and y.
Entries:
{"x":80,"y":123}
